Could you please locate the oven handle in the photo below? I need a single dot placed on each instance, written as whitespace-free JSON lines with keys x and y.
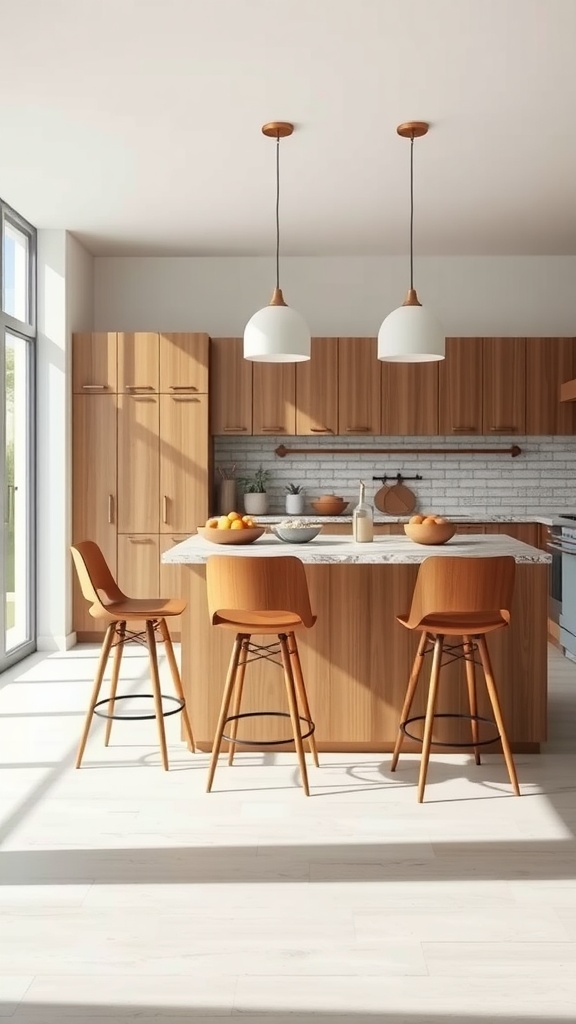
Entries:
{"x":562,"y":550}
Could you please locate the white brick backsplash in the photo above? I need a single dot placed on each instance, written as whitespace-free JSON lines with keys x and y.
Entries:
{"x":542,"y":478}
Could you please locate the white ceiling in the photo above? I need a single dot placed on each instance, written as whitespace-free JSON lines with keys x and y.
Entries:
{"x":136,"y":124}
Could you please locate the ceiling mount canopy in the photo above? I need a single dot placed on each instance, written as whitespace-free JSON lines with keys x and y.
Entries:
{"x":411,"y":333}
{"x":277,"y":333}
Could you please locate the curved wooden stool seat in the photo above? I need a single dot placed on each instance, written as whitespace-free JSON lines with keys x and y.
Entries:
{"x":466,"y":597}
{"x":261,"y":596}
{"x":110,"y":606}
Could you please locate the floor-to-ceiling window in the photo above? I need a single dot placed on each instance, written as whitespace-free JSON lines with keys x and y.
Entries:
{"x":17,"y":343}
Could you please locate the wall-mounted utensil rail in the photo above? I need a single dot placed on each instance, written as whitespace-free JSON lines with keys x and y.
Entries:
{"x":398,"y":477}
{"x":281,"y":451}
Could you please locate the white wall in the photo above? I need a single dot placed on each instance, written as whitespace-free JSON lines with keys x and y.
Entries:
{"x":65,"y":304}
{"x":476,"y":296}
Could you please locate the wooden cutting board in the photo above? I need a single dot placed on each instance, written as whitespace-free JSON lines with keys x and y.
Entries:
{"x":380,"y":497}
{"x":399,"y":501}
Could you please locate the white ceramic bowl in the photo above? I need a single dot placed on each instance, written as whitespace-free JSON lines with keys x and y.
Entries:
{"x":296,"y":534}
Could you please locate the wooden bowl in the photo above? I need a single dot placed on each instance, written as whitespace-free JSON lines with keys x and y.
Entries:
{"x":429,"y":533}
{"x":329,"y":506}
{"x":231,"y":536}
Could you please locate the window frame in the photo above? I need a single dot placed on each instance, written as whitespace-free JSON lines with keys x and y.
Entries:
{"x":25,"y":327}
{"x":27,"y":330}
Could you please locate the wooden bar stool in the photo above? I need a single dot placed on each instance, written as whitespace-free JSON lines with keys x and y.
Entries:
{"x":467,"y":597}
{"x":261,"y":596}
{"x":109,"y":605}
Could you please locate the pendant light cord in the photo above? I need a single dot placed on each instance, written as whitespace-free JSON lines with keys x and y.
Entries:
{"x":278,"y":211}
{"x":412,"y":211}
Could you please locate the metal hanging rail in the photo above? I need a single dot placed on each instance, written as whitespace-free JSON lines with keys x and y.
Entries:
{"x":514,"y":450}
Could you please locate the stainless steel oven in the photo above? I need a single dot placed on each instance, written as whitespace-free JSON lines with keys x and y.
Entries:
{"x":555,"y":586}
{"x":562,"y":546}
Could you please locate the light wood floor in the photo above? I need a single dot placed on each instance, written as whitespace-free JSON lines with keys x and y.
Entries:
{"x":127,"y":893}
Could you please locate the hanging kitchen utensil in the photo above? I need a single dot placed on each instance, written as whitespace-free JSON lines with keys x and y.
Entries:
{"x":400,"y":500}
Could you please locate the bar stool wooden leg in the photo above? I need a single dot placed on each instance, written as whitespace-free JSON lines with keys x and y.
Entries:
{"x":301,"y":691}
{"x":227,"y":696}
{"x":410,"y":692}
{"x":293,"y":708}
{"x":176,"y":680}
{"x":493,"y":695}
{"x":120,"y":634}
{"x":430,"y":709}
{"x":472,"y":698}
{"x":104,"y":652}
{"x":155,"y":678}
{"x":238,"y":698}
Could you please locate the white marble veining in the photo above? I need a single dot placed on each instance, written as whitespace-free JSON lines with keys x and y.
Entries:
{"x":327,"y":549}
{"x":545,"y":518}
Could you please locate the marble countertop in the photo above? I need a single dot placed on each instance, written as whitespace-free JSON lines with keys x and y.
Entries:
{"x":326,"y":549}
{"x":546,"y":518}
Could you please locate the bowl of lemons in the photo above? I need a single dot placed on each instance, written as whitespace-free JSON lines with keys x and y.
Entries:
{"x":232,"y":528}
{"x":429,"y":529}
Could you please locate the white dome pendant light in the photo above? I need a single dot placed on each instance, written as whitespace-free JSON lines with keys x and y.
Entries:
{"x":411,"y":334}
{"x":277,"y":333}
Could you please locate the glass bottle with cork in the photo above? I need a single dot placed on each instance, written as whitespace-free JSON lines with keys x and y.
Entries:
{"x":363,"y":519}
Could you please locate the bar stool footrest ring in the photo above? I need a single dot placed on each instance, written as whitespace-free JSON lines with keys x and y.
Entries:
{"x":441,"y":743}
{"x":138,"y":696}
{"x":267,"y":714}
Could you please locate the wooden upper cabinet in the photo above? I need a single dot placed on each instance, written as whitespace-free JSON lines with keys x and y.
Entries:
{"x":274,"y":398}
{"x":409,"y":398}
{"x":184,"y":363}
{"x":138,"y":362}
{"x":183,"y":462}
{"x":138,"y":463}
{"x":359,"y":400}
{"x":94,"y":363}
{"x":504,"y":379}
{"x":549,"y":363}
{"x":230,"y":387}
{"x":317,"y":389}
{"x":460,"y":387}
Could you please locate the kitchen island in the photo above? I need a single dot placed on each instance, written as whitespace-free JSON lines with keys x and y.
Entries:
{"x":357,"y":658}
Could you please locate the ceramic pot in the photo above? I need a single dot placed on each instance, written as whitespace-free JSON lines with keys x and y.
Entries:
{"x":256,"y":503}
{"x":295,"y":504}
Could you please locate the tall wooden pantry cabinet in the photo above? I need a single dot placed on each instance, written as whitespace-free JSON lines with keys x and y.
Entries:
{"x":141,"y":454}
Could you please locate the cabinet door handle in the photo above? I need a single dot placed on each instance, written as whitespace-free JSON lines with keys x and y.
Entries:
{"x":503,"y":430}
{"x":358,"y":430}
{"x":94,"y":387}
{"x":321,"y":430}
{"x":235,"y":429}
{"x":140,"y":387}
{"x":275,"y":430}
{"x":463,"y":430}
{"x":183,"y":387}
{"x":184,"y":398}
{"x":165,"y":508}
{"x":110,"y":508}
{"x":139,"y":540}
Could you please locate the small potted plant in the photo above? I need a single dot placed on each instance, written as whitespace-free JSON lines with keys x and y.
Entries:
{"x":295,"y":499}
{"x":254,"y":487}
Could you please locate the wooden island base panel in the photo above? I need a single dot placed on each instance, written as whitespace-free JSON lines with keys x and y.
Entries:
{"x":357,"y":658}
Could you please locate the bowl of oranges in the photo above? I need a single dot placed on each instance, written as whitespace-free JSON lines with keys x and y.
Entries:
{"x":231,"y":529}
{"x":429,"y":529}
